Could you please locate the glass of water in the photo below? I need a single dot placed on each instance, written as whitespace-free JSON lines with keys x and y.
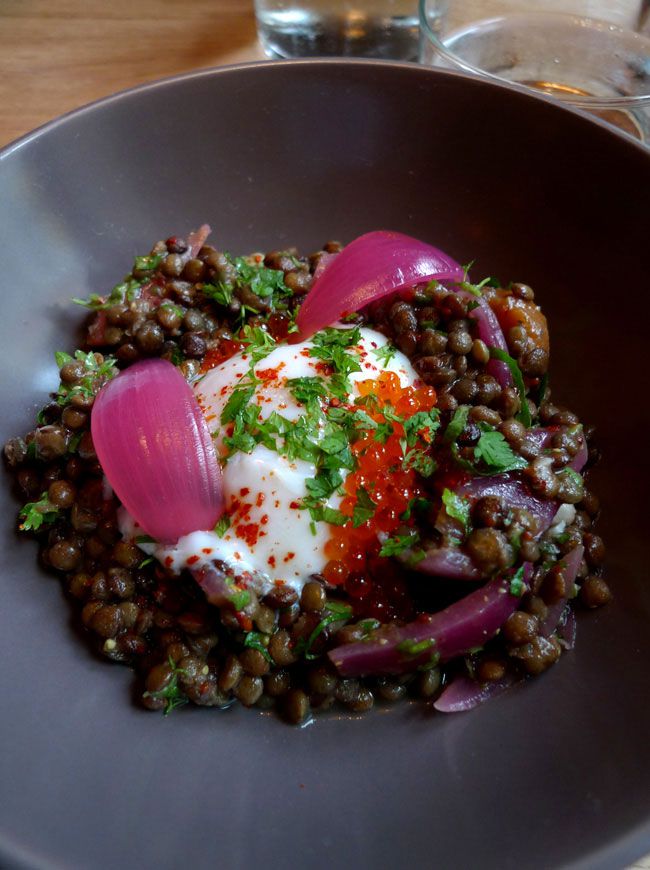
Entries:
{"x":593,"y":54}
{"x":365,"y":28}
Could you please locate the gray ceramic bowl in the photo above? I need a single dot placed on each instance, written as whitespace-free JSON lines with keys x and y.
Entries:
{"x":554,"y":773}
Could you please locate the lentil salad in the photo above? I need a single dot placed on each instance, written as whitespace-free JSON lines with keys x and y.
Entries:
{"x":476,"y":468}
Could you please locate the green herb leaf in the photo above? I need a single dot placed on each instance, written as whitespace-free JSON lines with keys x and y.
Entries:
{"x":126,"y":291}
{"x":457,"y":423}
{"x":423,"y":425}
{"x":147,"y":263}
{"x":517,"y":585}
{"x":335,"y":611}
{"x":333,"y":336}
{"x":419,"y":461}
{"x":543,"y":389}
{"x":458,"y":508}
{"x":385,"y":354}
{"x":255,"y":640}
{"x":144,"y":539}
{"x":364,"y":508}
{"x":35,"y":513}
{"x":259,"y":342}
{"x":239,"y":598}
{"x":397,"y":544}
{"x":220,"y":293}
{"x":94,"y":376}
{"x":62,"y":358}
{"x":524,"y":411}
{"x":324,"y":484}
{"x":171,"y":694}
{"x":497,"y":454}
{"x":415,"y":504}
{"x":325,"y":514}
{"x":237,"y":401}
{"x":333,"y":441}
{"x":305,"y":389}
{"x":222,"y":526}
{"x":411,"y":649}
{"x":263,"y":282}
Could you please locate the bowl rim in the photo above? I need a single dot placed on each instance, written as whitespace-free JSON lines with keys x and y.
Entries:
{"x":589,"y":103}
{"x":636,"y":840}
{"x":471,"y":76}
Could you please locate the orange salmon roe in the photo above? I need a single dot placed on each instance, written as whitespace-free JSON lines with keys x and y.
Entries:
{"x":213,"y":358}
{"x":380,"y":473}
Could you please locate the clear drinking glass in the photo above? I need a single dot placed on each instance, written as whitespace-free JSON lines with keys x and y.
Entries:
{"x":365,"y":28}
{"x":593,"y":54}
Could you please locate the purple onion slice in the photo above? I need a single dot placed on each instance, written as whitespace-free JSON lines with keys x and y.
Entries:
{"x":435,"y":637}
{"x":464,"y":693}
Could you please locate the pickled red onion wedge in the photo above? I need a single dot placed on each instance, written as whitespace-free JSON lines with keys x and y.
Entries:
{"x":196,"y":239}
{"x":370,"y":267}
{"x":490,"y":334}
{"x":452,"y":632}
{"x":464,"y":693}
{"x":156,"y":451}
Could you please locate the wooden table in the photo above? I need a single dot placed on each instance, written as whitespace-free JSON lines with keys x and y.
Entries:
{"x":57,"y":55}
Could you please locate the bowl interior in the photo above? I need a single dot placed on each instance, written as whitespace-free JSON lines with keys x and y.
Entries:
{"x":297,"y":153}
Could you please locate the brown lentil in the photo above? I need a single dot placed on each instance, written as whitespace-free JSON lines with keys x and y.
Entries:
{"x":520,"y":628}
{"x":230,"y":674}
{"x":296,"y":706}
{"x":595,"y":592}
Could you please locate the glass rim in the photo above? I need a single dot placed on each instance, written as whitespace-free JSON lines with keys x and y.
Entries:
{"x":584,"y":102}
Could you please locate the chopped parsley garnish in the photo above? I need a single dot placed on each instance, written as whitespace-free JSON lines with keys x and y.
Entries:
{"x":325,"y":514}
{"x":517,"y":585}
{"x":415,"y":504}
{"x":97,"y":370}
{"x":220,"y":293}
{"x":259,"y":343}
{"x":458,"y":508}
{"x":258,"y":641}
{"x":324,"y":484}
{"x":457,"y":423}
{"x":262,"y":281}
{"x":335,"y":611}
{"x":523,"y":414}
{"x":171,"y":694}
{"x":364,"y":508}
{"x":419,"y":461}
{"x":411,"y":649}
{"x":496,"y":453}
{"x":330,"y":345}
{"x":333,"y":336}
{"x":237,"y":401}
{"x":144,"y":539}
{"x":174,"y":309}
{"x":543,"y":389}
{"x":126,"y":291}
{"x":307,"y":388}
{"x":267,"y":284}
{"x":423,"y":425}
{"x":399,"y":543}
{"x":222,"y":526}
{"x":147,"y":263}
{"x":240,"y":598}
{"x":36,"y":513}
{"x":385,"y":354}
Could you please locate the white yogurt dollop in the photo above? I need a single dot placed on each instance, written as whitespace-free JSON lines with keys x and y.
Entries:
{"x":269,"y":535}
